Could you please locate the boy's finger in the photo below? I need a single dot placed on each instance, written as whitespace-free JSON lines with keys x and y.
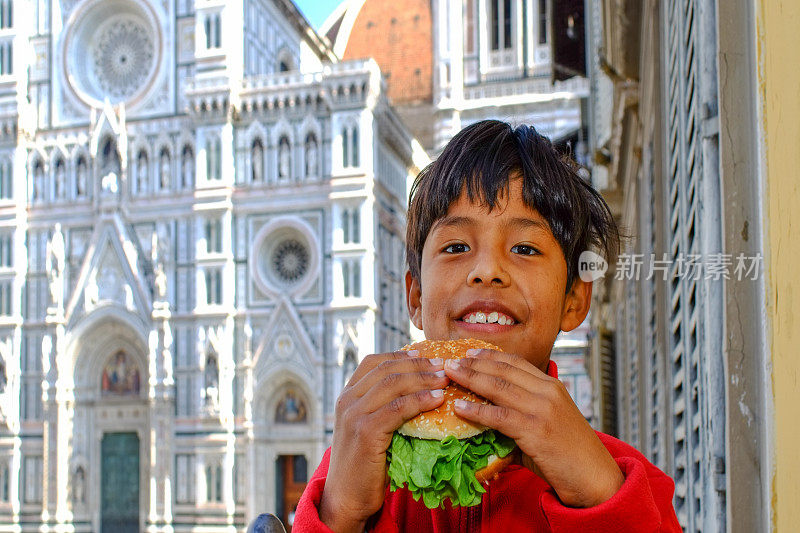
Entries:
{"x":469,"y":366}
{"x":497,"y":387}
{"x":373,"y":360}
{"x":506,"y":420}
{"x":394,"y":385}
{"x":393,"y":365}
{"x":393,"y":414}
{"x":511,"y":359}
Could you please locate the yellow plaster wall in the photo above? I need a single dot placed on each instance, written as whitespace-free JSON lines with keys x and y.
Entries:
{"x":779,"y":88}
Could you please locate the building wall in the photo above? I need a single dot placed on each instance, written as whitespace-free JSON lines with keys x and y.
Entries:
{"x":778,"y":87}
{"x":683,"y":166}
{"x":236,"y":234}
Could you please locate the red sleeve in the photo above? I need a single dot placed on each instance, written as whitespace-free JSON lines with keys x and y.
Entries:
{"x":306,"y":516}
{"x":642,"y":504}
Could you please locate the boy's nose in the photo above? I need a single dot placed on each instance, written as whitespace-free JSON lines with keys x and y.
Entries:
{"x":488,"y":272}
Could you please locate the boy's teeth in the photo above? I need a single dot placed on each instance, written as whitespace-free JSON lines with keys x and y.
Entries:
{"x":494,"y":317}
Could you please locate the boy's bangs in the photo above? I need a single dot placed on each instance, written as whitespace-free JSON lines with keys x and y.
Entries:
{"x":483,"y":167}
{"x":483,"y":158}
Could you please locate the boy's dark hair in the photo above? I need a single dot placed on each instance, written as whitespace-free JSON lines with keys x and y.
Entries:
{"x":482,"y":157}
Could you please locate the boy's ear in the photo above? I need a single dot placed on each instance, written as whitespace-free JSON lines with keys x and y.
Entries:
{"x":576,"y":304}
{"x":413,"y":300}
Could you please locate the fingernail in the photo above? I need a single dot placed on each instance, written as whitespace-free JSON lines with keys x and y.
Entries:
{"x":452,"y":364}
{"x":439,"y":373}
{"x":436,"y":361}
{"x":473,"y":351}
{"x":462,"y":404}
{"x":437,"y":393}
{"x":413,"y":353}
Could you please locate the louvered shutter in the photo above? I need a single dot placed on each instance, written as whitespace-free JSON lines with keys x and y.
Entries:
{"x":690,"y":402}
{"x":653,"y":443}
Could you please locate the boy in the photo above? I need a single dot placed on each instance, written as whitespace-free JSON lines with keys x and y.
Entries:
{"x":495,"y":227}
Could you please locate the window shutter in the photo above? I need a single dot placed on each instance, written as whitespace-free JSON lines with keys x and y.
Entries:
{"x":696,"y":410}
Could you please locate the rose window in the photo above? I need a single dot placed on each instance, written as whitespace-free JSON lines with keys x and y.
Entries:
{"x":290,"y":260}
{"x":122,"y":58}
{"x":112,"y":50}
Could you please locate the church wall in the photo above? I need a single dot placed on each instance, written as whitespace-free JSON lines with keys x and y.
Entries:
{"x":121,"y":218}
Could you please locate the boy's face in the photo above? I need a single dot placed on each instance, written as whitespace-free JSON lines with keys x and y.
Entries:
{"x":500,"y":277}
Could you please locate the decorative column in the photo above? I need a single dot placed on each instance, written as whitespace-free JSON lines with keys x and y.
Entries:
{"x":57,"y":396}
{"x":252,"y":485}
{"x":161,"y":391}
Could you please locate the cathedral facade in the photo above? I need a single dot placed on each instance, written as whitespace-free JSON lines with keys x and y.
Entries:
{"x":202,"y":218}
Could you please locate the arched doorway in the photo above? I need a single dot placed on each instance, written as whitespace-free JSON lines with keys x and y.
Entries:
{"x":111,"y":422}
{"x":286,"y":443}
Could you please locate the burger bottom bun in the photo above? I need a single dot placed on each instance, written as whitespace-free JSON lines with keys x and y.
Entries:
{"x":493,"y":469}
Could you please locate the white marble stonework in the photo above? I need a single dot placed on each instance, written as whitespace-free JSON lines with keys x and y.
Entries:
{"x":172,"y":249}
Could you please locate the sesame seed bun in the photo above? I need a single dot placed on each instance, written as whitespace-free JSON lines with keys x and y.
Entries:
{"x":443,"y":421}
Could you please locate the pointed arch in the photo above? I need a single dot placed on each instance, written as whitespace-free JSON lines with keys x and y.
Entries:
{"x":312,"y":162}
{"x":108,"y":155}
{"x":98,"y":336}
{"x":188,"y":171}
{"x":285,"y":141}
{"x":140,"y":174}
{"x":37,"y":171}
{"x":81,"y":171}
{"x":164,"y":175}
{"x":59,"y":178}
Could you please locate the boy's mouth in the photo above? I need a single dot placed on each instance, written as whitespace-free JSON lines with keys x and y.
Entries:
{"x":488,"y":317}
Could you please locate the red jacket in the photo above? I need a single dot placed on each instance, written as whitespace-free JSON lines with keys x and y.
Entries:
{"x":519,"y":500}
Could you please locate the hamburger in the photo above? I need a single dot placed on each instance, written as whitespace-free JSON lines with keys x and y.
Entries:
{"x":438,"y":455}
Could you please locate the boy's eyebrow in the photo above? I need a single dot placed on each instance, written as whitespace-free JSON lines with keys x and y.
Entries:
{"x":515,"y":223}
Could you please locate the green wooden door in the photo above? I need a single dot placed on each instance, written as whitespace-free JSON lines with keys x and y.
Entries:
{"x":120,"y":483}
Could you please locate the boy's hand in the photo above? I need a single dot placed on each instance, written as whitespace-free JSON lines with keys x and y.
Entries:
{"x":537,"y":412}
{"x":385,"y":391}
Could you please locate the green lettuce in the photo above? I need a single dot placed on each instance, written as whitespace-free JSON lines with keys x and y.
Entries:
{"x":434,"y":470}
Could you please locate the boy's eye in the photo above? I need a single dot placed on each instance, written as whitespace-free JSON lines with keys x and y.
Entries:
{"x":457,"y":248}
{"x":524,"y":249}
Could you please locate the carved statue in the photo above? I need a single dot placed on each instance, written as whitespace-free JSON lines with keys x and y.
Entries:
{"x":55,"y":267}
{"x":311,"y":156}
{"x":284,"y":159}
{"x":164,"y":170}
{"x":257,"y":157}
